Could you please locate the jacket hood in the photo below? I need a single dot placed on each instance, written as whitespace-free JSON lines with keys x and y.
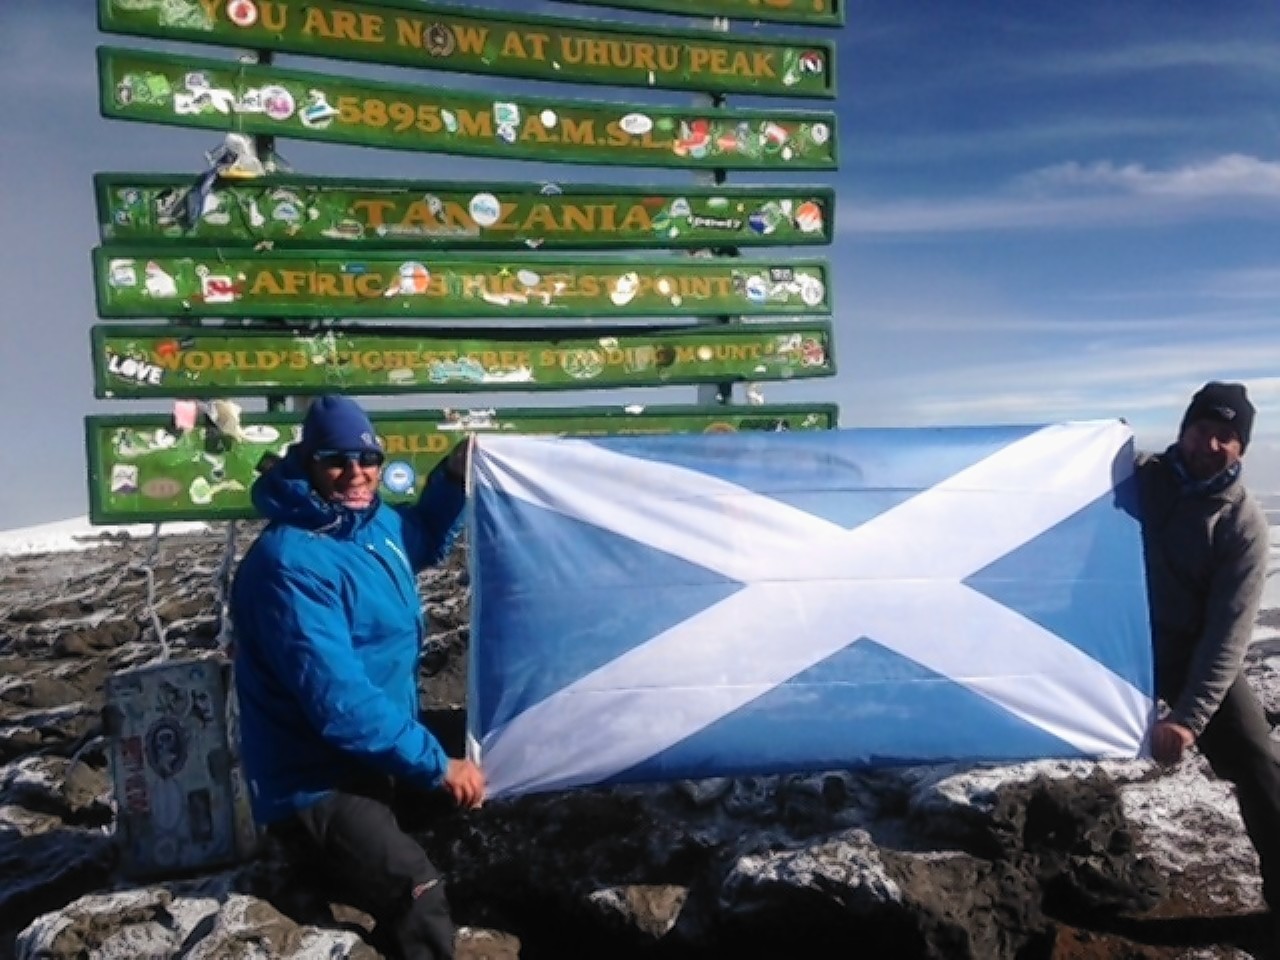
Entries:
{"x":284,"y":495}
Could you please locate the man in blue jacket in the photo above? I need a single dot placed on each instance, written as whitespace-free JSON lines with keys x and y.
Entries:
{"x":328,"y":633}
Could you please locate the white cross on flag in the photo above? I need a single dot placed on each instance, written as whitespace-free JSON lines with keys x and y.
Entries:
{"x":656,"y":608}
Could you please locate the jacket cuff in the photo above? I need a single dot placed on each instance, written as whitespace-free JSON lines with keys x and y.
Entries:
{"x":434,"y":766}
{"x":1193,"y":720}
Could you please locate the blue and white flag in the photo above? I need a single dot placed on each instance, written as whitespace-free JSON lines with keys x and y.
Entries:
{"x":656,"y":608}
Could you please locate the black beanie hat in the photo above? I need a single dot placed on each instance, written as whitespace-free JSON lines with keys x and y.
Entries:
{"x":1224,"y":402}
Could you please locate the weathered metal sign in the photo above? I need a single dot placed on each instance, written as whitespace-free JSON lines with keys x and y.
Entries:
{"x":154,"y":361}
{"x":216,"y":283}
{"x":318,"y":212}
{"x":824,"y":13}
{"x":164,"y":88}
{"x":143,"y":470}
{"x":180,"y":805}
{"x":437,"y":37}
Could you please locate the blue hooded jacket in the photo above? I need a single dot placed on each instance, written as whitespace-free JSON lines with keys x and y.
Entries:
{"x":329,"y":628}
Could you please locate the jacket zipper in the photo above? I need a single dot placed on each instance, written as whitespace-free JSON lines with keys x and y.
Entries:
{"x":382,"y":561}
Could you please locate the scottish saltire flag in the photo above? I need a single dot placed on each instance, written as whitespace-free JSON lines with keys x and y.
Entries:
{"x":671,"y":607}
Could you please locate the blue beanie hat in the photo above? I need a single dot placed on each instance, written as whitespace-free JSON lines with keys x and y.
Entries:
{"x":337,"y":423}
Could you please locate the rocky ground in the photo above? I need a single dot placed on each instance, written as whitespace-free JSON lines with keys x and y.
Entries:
{"x":1049,"y":860}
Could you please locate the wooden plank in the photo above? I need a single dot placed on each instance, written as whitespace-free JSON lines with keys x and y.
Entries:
{"x":203,"y":282}
{"x":441,"y":37}
{"x":293,"y":211}
{"x":819,"y":13}
{"x":143,"y":470}
{"x":160,"y":361}
{"x":216,"y":94}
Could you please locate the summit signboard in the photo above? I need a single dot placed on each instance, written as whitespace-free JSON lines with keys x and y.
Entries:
{"x":212,"y":282}
{"x":254,"y":99}
{"x":331,"y":212}
{"x":141,"y":468}
{"x":440,"y":37}
{"x":208,"y":361}
{"x":818,"y":13}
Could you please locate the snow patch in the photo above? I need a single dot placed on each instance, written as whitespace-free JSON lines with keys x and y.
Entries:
{"x":78,"y":533}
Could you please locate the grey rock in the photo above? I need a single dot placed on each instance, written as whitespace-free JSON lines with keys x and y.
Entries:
{"x":1055,"y":859}
{"x":159,"y":923}
{"x":650,"y":909}
{"x":703,"y":793}
{"x":845,"y":871}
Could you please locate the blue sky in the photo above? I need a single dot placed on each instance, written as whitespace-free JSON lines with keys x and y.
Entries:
{"x":1046,"y":211}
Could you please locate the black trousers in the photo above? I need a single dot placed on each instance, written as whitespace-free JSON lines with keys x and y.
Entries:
{"x":1237,"y":744}
{"x":352,"y":844}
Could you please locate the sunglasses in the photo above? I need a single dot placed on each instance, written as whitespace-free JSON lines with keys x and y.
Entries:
{"x":338,"y":459}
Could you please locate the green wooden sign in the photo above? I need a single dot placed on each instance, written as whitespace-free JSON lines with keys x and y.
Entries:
{"x":438,"y":37}
{"x":823,"y":13}
{"x":320,"y":211}
{"x":155,"y":361}
{"x":143,"y":470}
{"x":214,"y":94}
{"x":204,"y":282}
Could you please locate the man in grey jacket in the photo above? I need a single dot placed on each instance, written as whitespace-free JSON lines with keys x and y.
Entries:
{"x":1206,"y":542}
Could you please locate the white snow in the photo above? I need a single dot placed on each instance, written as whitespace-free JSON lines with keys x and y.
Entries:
{"x":78,"y":533}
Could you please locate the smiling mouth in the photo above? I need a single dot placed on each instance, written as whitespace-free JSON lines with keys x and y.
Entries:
{"x":363,"y":495}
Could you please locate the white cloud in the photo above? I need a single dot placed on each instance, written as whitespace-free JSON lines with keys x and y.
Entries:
{"x":925,"y":147}
{"x":1147,"y":383}
{"x":1074,"y":195}
{"x":1249,"y":330}
{"x":959,"y":353}
{"x":1257,"y":283}
{"x":1236,"y":56}
{"x":1230,"y":176}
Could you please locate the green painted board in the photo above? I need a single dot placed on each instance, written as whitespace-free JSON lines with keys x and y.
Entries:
{"x":206,"y":282}
{"x":142,"y":470}
{"x":322,"y":211}
{"x":220,"y":95}
{"x":821,"y":13}
{"x":444,"y":37}
{"x":160,"y":361}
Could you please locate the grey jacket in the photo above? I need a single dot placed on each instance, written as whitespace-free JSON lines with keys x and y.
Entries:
{"x":1206,"y":557}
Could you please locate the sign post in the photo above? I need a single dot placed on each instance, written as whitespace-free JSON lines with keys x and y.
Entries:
{"x":329,"y":212}
{"x":186,"y":91}
{"x":289,"y":285}
{"x":141,"y":469}
{"x":453,"y":38}
{"x":818,"y":13}
{"x":169,"y":282}
{"x":153,"y":361}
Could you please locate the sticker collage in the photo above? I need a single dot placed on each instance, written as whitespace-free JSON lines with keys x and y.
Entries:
{"x":245,"y":280}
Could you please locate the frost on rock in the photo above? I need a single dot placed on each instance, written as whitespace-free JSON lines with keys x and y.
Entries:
{"x":1188,"y":823}
{"x":962,"y":862}
{"x":156,"y":923}
{"x":845,"y":869}
{"x":147,"y":924}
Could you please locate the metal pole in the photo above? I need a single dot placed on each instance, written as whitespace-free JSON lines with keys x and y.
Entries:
{"x":264,"y":146}
{"x":715,"y":393}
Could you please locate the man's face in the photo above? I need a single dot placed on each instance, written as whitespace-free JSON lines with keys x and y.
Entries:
{"x":1208,"y":447}
{"x":349,"y":478}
